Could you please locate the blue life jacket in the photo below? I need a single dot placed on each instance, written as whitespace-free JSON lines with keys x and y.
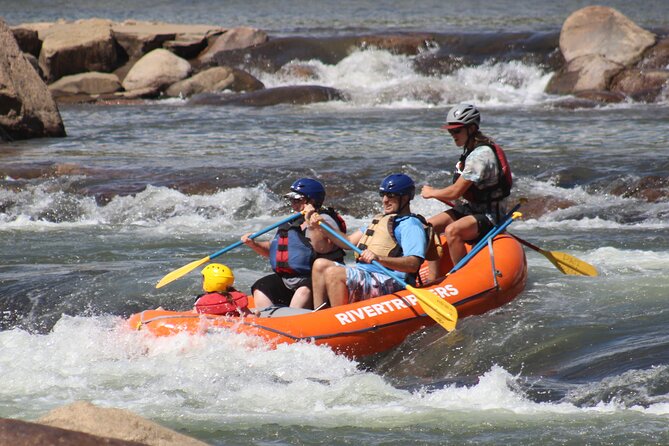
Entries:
{"x":291,"y":253}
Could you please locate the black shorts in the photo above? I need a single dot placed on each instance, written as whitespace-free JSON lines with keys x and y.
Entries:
{"x":483,"y":222}
{"x":274,"y":287}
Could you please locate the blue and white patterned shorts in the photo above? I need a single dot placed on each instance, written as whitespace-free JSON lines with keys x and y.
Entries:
{"x":363,"y":284}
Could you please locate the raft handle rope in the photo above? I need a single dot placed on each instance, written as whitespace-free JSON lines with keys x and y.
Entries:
{"x":492,"y":263}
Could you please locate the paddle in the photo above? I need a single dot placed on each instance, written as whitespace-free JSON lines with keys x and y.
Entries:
{"x":508,"y":219}
{"x":565,"y":263}
{"x":177,"y":273}
{"x":438,"y":309}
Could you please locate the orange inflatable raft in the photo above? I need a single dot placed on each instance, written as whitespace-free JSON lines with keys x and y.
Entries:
{"x":490,"y":279}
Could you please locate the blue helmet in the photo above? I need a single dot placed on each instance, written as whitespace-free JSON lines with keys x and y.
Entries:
{"x":311,"y":189}
{"x":399,"y":184}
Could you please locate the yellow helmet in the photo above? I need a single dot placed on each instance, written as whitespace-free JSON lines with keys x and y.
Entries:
{"x":217,"y":278}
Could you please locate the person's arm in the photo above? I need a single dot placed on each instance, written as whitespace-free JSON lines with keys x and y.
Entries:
{"x":320,"y":241}
{"x":406,"y":264}
{"x":449,"y":193}
{"x":261,"y":247}
{"x":314,"y":219}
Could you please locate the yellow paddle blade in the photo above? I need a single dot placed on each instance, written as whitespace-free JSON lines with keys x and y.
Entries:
{"x":438,"y":309}
{"x":174,"y":275}
{"x":569,"y":264}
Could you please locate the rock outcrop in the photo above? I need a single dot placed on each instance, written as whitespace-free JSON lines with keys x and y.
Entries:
{"x":92,"y":83}
{"x":23,"y":433}
{"x":139,"y":38}
{"x":156,"y":71}
{"x":599,"y":56}
{"x":605,"y":52}
{"x":27,"y":109}
{"x":114,"y":423}
{"x":71,"y":48}
{"x":233,"y":39}
{"x":295,"y":95}
{"x":214,"y":80}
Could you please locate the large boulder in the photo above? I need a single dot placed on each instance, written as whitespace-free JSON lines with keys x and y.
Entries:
{"x":605,"y":32}
{"x":28,"y":40}
{"x":157,"y":70}
{"x":27,"y":109}
{"x":597,"y":43}
{"x":114,"y":423}
{"x":84,"y":45}
{"x":591,"y":73}
{"x":213,"y":80}
{"x":90,"y":84}
{"x":294,"y":95}
{"x":640,"y":85}
{"x":233,"y":39}
{"x":138,"y":38}
{"x":23,"y":433}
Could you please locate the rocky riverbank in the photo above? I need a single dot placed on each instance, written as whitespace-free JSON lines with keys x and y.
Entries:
{"x":599,"y":56}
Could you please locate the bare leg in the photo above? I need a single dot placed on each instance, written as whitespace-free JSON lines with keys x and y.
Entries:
{"x":318,"y":281}
{"x":457,"y":233}
{"x":261,"y":300}
{"x":301,"y":298}
{"x":337,"y":290}
{"x":439,"y":222}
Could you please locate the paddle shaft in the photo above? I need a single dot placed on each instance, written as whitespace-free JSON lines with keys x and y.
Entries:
{"x":359,"y":251}
{"x":256,"y":234}
{"x":528,"y":244}
{"x":180,"y":272}
{"x":508,"y":219}
{"x":565,"y":263}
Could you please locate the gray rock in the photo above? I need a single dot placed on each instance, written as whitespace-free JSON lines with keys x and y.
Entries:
{"x":295,"y":95}
{"x":71,"y":48}
{"x":214,"y":80}
{"x":28,"y":40}
{"x":158,"y":70}
{"x":233,"y":39}
{"x":641,"y":85}
{"x":597,"y":43}
{"x":115,"y":423}
{"x":27,"y":109}
{"x":584,"y":73}
{"x":603,"y":31}
{"x":23,"y":433}
{"x":92,"y":83}
{"x":139,"y":38}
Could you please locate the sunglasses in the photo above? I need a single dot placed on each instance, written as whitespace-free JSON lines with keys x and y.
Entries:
{"x":456,"y":131}
{"x":296,"y":200}
{"x":389,"y":194}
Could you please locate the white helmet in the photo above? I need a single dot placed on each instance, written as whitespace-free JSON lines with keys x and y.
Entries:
{"x":461,"y":115}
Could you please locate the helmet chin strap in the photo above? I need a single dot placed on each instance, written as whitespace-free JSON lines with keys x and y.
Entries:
{"x":405,"y":205}
{"x":470,"y":137}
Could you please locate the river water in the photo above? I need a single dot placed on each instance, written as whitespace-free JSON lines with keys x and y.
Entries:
{"x":89,"y":223}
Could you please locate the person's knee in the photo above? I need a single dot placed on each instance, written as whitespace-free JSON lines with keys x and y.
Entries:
{"x":320,"y":265}
{"x":452,"y":233}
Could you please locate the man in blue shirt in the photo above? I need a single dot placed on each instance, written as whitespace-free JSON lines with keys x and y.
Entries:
{"x":396,"y":239}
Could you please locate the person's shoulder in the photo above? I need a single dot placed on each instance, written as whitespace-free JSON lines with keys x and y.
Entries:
{"x":483,"y":148}
{"x":410,"y":219}
{"x":483,"y":151}
{"x":328,"y":218}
